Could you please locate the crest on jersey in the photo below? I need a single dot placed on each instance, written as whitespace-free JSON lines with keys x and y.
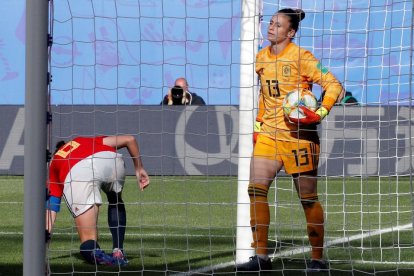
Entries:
{"x":286,"y":70}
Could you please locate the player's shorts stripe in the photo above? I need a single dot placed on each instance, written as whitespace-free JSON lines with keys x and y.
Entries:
{"x":69,"y":207}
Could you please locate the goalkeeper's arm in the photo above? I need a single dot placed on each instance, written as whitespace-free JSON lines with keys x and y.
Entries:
{"x":259,"y":118}
{"x":331,"y":97}
{"x":332,"y":87}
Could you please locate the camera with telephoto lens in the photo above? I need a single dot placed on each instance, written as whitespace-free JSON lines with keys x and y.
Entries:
{"x":177,"y":93}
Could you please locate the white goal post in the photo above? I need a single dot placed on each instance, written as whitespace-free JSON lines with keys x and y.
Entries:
{"x":249,"y":36}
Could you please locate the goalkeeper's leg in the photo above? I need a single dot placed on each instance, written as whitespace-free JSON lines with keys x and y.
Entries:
{"x":259,"y":217}
{"x":306,"y":185}
{"x":262,"y":174}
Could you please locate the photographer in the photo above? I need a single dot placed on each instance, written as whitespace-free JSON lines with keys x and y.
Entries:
{"x":179,"y":95}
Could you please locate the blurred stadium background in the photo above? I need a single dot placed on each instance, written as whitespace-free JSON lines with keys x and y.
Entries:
{"x":113,"y":61}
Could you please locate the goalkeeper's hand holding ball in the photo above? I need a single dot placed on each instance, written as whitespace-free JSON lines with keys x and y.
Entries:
{"x":311,"y":117}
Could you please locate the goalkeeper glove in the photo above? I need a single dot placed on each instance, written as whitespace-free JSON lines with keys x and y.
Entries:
{"x":311,"y":117}
{"x":257,"y":128}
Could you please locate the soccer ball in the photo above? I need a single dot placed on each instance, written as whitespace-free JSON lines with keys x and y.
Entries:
{"x":296,"y":98}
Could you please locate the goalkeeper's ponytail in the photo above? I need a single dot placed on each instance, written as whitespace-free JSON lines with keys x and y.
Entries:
{"x":295,"y":16}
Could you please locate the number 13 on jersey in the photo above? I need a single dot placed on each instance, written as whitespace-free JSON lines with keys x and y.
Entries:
{"x":272,"y":87}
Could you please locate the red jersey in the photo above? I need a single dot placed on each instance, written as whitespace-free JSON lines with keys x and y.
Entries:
{"x":68,"y":156}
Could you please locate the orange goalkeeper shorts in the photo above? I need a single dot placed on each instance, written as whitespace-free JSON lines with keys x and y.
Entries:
{"x":297,"y":156}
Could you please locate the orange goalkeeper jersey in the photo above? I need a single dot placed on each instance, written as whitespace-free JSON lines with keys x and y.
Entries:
{"x":293,"y":68}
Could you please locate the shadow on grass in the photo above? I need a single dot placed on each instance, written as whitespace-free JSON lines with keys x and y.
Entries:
{"x":293,"y":269}
{"x":146,"y":263}
{"x":11,"y":269}
{"x":167,"y":256}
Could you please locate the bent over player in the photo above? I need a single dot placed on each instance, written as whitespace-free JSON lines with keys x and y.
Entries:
{"x":79,"y":170}
{"x":283,"y":67}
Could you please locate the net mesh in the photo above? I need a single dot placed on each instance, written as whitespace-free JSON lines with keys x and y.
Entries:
{"x":112,"y":63}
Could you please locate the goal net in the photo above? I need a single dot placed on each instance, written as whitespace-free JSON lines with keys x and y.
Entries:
{"x":113,"y":61}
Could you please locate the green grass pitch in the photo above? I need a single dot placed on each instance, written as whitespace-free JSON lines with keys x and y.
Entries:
{"x":188,"y":225}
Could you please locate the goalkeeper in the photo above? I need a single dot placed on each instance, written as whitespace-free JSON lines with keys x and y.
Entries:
{"x":283,"y":67}
{"x":79,"y":170}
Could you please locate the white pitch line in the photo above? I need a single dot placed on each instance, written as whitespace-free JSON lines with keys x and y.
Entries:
{"x":126,"y":234}
{"x":283,"y":253}
{"x":303,"y":249}
{"x":154,"y":235}
{"x":342,"y":240}
{"x":386,"y":263}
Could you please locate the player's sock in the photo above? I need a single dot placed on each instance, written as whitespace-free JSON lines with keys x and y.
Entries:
{"x":116,"y":219}
{"x":259,"y":217}
{"x":87,"y":248}
{"x":315,"y":223}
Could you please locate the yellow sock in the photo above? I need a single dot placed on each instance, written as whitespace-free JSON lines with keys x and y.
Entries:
{"x":259,"y":217}
{"x":315,"y":223}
